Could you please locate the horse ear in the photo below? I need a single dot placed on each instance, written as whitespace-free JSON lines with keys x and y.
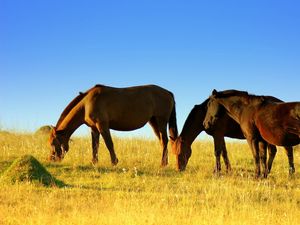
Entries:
{"x":214,"y":92}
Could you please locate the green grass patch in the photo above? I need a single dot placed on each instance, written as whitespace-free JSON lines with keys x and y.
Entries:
{"x":27,"y":169}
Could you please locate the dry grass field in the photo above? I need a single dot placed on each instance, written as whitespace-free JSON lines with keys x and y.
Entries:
{"x":138,"y":191}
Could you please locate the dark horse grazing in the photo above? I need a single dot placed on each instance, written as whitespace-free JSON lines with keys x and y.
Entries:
{"x":193,"y":126}
{"x":224,"y":126}
{"x":262,"y":121}
{"x":103,"y":108}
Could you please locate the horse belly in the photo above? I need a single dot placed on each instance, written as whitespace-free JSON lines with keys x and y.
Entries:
{"x":126,"y":126}
{"x":273,"y":129}
{"x":278,"y":136}
{"x":128,"y":120}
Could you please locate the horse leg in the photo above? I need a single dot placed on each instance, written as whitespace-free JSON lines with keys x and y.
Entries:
{"x":255,"y":151}
{"x":95,"y":145}
{"x":218,"y":149}
{"x":225,"y":156}
{"x":290,"y":155}
{"x":272,"y":152}
{"x":262,"y":145}
{"x":164,"y":141}
{"x":105,"y":133}
{"x":163,"y":137}
{"x":154,"y":126}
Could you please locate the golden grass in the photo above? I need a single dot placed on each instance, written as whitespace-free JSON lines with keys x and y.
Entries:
{"x":138,"y":191}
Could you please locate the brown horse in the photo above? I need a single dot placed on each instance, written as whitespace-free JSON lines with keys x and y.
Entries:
{"x":224,"y":126}
{"x":124,"y":109}
{"x":263,"y":121}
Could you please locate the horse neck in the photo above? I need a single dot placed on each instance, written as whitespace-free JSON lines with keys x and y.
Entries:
{"x":233,"y":110}
{"x":73,"y":120}
{"x":236,"y":105}
{"x":193,"y":125}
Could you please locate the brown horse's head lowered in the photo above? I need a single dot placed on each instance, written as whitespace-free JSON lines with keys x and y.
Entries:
{"x":183,"y":152}
{"x":58,"y":144}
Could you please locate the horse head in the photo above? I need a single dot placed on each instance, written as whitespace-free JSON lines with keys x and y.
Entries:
{"x":212,"y":112}
{"x":59,"y":145}
{"x":182,"y":152}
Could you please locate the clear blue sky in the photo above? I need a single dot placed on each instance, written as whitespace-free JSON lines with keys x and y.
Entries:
{"x":51,"y":50}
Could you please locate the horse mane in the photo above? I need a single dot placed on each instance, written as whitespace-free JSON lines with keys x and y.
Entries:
{"x":73,"y":103}
{"x":231,"y":92}
{"x":190,"y":120}
{"x":70,"y":106}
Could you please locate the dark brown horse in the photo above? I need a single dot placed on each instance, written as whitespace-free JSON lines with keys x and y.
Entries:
{"x":263,"y":121}
{"x":193,"y":126}
{"x":103,"y":108}
{"x":224,"y":126}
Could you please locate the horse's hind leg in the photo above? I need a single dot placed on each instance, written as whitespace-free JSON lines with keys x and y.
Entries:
{"x":104,"y":131}
{"x":253,"y":144}
{"x":263,"y":157}
{"x":95,"y":145}
{"x":164,"y":143}
{"x":160,"y":130}
{"x":272,"y":150}
{"x":290,"y":155}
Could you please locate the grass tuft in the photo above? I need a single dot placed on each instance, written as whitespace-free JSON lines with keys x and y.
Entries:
{"x":27,"y":169}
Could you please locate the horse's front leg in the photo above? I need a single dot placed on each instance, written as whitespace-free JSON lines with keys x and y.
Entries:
{"x":105,"y":133}
{"x":218,"y":149}
{"x":95,"y":145}
{"x":225,"y":156}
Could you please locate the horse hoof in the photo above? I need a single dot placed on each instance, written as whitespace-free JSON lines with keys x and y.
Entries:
{"x":115,"y":162}
{"x":95,"y":162}
{"x":292,"y":170}
{"x":228,"y":170}
{"x":217,"y":170}
{"x":162,"y":165}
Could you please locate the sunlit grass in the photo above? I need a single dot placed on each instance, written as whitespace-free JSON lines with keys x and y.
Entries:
{"x":138,"y":191}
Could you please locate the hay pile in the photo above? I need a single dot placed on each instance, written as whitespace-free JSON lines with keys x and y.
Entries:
{"x":28,"y":169}
{"x":44,"y":130}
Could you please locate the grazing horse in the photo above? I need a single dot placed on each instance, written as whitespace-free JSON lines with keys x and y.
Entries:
{"x":193,"y":126}
{"x":224,"y":126}
{"x":124,"y":109}
{"x":263,"y":121}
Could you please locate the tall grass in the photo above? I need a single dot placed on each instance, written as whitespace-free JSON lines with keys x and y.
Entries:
{"x":138,"y":191}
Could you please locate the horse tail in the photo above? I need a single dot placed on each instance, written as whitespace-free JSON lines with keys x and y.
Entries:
{"x":173,"y":131}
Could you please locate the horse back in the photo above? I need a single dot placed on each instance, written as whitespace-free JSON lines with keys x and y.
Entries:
{"x":137,"y":104}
